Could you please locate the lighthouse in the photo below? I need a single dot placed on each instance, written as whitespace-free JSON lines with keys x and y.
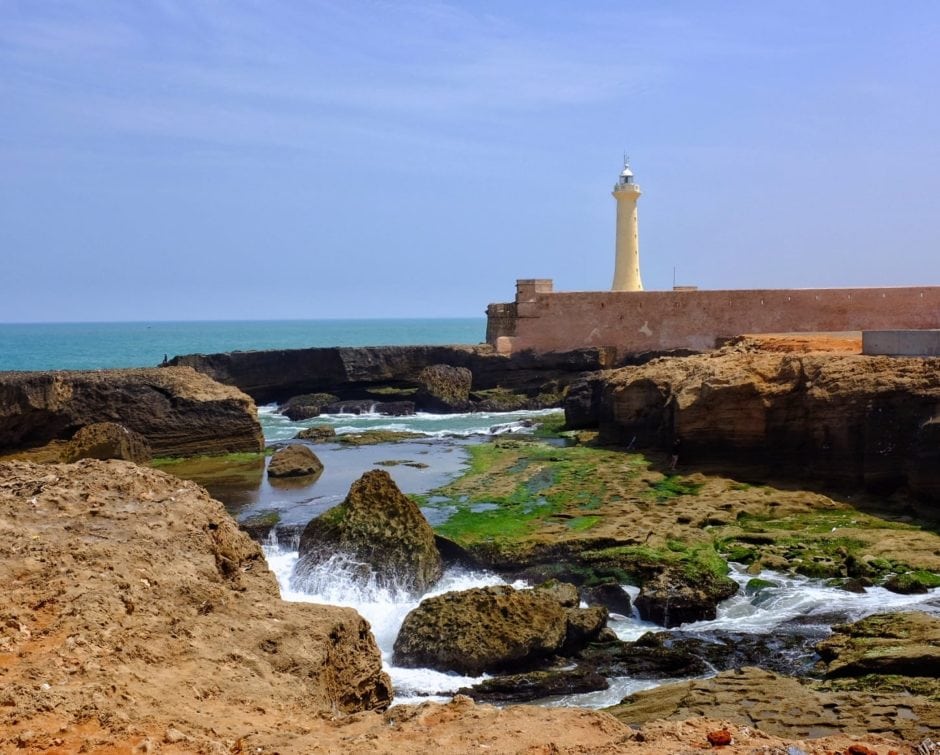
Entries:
{"x":627,"y":264}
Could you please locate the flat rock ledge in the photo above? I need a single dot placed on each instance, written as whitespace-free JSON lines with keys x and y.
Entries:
{"x":178,"y":411}
{"x":134,"y":605}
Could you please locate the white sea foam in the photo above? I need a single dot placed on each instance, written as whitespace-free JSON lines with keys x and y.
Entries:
{"x":386,"y":607}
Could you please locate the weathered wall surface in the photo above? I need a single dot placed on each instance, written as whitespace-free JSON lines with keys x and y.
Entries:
{"x":634,"y":322}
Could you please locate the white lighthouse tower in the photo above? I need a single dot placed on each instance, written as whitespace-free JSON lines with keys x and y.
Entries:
{"x":627,"y":265}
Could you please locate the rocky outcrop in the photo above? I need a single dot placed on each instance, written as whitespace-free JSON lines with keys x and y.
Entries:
{"x":534,"y":685}
{"x":906,"y":644}
{"x":783,"y":706}
{"x":132,"y":600}
{"x":306,"y":406}
{"x":179,"y":411}
{"x":317,"y":433}
{"x":354,"y":373}
{"x":107,"y":440}
{"x":295,"y":460}
{"x":379,"y":527}
{"x":671,"y":598}
{"x":481,"y":629}
{"x":444,"y":388}
{"x":848,"y":419}
{"x":494,"y":629}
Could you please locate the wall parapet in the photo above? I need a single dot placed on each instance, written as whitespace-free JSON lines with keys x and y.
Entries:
{"x":637,"y":321}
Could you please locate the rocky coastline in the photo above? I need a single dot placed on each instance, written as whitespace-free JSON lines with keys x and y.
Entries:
{"x":127,"y":583}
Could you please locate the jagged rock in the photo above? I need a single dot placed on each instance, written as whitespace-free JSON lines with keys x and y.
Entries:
{"x":295,"y":460}
{"x":584,"y":625}
{"x":524,"y":688}
{"x":905,"y":643}
{"x":107,"y":440}
{"x":650,"y":657}
{"x":564,"y":592}
{"x":848,"y":419}
{"x":306,"y":406}
{"x":582,"y":403}
{"x":611,"y":595}
{"x":482,"y":629}
{"x":317,"y":433}
{"x":380,"y":527}
{"x":670,"y":598}
{"x":180,"y":412}
{"x":167,"y":612}
{"x":443,"y":388}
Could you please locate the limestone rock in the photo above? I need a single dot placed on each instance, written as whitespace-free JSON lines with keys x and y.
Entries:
{"x":380,"y":527}
{"x":179,"y":411}
{"x":317,"y":433}
{"x":481,"y":629}
{"x":107,"y":440}
{"x":904,"y":643}
{"x":443,"y":388}
{"x":670,"y":599}
{"x":534,"y":685}
{"x":564,"y":592}
{"x":294,"y":460}
{"x":584,"y":625}
{"x":848,"y":419}
{"x":782,"y":706}
{"x":610,"y":595}
{"x":166,"y":611}
{"x":306,"y":405}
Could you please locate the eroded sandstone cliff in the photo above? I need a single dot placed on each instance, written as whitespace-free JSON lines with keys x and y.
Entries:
{"x":134,"y":607}
{"x":847,"y":419}
{"x":179,"y":411}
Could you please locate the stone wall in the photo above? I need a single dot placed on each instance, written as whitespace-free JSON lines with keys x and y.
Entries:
{"x":634,"y":322}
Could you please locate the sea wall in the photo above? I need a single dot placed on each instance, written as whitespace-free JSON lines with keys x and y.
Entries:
{"x":634,"y":322}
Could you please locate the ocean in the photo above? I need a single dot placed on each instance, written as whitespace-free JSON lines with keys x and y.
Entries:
{"x":93,"y":346}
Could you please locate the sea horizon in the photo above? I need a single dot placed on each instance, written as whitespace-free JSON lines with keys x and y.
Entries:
{"x":145,"y":343}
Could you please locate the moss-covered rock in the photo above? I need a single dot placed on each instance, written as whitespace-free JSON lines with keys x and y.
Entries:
{"x":380,"y":527}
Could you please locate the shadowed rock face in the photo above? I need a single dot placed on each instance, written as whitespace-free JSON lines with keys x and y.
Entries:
{"x":848,"y":419}
{"x":179,"y":411}
{"x":351,"y":372}
{"x":107,"y":440}
{"x":380,"y":527}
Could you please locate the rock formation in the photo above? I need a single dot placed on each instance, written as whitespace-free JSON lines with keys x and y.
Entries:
{"x":133,"y":606}
{"x":294,"y":460}
{"x":848,"y":419}
{"x":306,"y":406}
{"x":493,"y":629}
{"x":444,"y":388}
{"x":354,"y":373}
{"x":107,"y":440}
{"x":380,"y":527}
{"x":906,"y":644}
{"x":179,"y":411}
{"x":317,"y":433}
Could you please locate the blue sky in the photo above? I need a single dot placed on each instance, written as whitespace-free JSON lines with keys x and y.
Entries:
{"x":206,"y":159}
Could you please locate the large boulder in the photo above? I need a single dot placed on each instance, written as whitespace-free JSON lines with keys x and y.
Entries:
{"x":671,"y":598}
{"x":380,"y":527}
{"x":443,"y":388}
{"x":482,"y":629}
{"x":306,"y":405}
{"x":294,"y":460}
{"x":179,"y":411}
{"x":107,"y":440}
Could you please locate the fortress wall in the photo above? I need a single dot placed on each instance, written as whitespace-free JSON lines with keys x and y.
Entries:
{"x":634,"y":322}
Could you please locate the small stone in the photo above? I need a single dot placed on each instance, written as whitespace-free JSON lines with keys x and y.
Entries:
{"x":720,"y":738}
{"x":172,"y":736}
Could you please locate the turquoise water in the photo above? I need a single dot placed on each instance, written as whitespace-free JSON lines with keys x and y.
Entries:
{"x":90,"y":346}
